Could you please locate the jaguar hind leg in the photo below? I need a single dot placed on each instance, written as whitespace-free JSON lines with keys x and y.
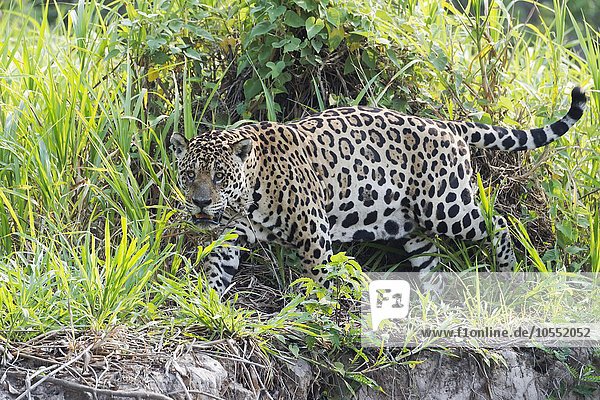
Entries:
{"x":470,"y":224}
{"x":422,"y":257}
{"x":505,"y":256}
{"x":421,"y":252}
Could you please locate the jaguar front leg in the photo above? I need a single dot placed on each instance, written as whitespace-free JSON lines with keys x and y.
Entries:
{"x":221,"y":265}
{"x":315,"y":250}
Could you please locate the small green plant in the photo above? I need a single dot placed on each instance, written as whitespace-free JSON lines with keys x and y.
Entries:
{"x":335,"y":321}
{"x":588,"y":378}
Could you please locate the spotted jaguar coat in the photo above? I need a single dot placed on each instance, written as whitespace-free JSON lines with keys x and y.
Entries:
{"x":347,"y":174}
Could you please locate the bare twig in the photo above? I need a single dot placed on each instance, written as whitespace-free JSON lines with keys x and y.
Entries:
{"x":590,"y":193}
{"x":210,"y":396}
{"x":137,"y":394}
{"x":71,"y":361}
{"x":186,"y":391}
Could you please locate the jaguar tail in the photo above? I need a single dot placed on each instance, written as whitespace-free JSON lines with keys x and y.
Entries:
{"x":508,"y":139}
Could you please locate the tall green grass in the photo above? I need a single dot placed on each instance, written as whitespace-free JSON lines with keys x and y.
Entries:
{"x":77,"y":170}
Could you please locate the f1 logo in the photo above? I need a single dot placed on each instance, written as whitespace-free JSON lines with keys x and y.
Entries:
{"x":388,"y":299}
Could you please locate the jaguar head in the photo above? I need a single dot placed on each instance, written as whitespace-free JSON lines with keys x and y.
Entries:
{"x":211,"y":174}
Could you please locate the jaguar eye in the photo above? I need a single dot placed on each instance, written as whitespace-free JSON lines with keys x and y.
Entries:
{"x":219,"y":176}
{"x":190,"y":175}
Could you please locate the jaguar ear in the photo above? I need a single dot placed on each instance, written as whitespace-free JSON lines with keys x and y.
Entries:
{"x":242,"y":148}
{"x":179,"y":145}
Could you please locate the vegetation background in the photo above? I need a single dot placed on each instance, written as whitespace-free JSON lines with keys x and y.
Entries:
{"x":90,"y":233}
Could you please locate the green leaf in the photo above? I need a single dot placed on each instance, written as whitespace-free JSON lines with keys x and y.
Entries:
{"x":261,"y":29}
{"x":112,"y":53}
{"x":313,"y":26}
{"x":308,"y":54}
{"x":348,"y":66}
{"x":574,"y":250}
{"x":280,"y":44}
{"x":339,"y":258}
{"x":393,"y":58}
{"x":199,"y":32}
{"x":284,"y":78}
{"x":175,"y":25}
{"x":155,"y":43}
{"x":384,"y":16}
{"x":551,"y":255}
{"x":193,"y":54}
{"x":317,"y":44}
{"x":275,"y":13}
{"x":292,"y":45}
{"x":335,"y":16}
{"x":566,"y":228}
{"x":339,"y":367}
{"x":276,"y":68}
{"x":365,"y":380}
{"x":438,"y":58}
{"x":368,"y":59}
{"x":308,"y":5}
{"x":336,"y":36}
{"x":292,"y":19}
{"x":160,"y":58}
{"x":294,"y":350}
{"x":252,"y":87}
{"x":506,"y":103}
{"x":265,"y":55}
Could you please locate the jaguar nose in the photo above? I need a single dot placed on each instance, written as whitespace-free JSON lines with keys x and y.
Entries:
{"x":201,"y":203}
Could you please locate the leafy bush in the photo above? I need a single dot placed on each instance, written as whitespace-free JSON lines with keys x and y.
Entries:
{"x":265,"y":59}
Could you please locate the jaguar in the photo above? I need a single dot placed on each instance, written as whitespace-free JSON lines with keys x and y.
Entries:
{"x":347,"y":174}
